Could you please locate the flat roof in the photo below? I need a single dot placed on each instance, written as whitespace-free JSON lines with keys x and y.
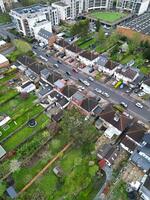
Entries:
{"x":59,"y":3}
{"x":3,"y":59}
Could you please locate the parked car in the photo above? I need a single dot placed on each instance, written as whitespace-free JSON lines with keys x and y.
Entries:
{"x":105,"y":94}
{"x":139,"y":105}
{"x":56,"y":65}
{"x":59,"y":61}
{"x":86,"y":83}
{"x":123,"y":104}
{"x":141,"y":94}
{"x":137,"y":90}
{"x":91,"y":70}
{"x":91,"y":78}
{"x":129,"y":90}
{"x":98,"y":90}
{"x":75,"y":70}
{"x":114,"y":83}
{"x":68,"y":73}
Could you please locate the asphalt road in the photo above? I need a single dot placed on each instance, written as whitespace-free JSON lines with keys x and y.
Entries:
{"x":115,"y":95}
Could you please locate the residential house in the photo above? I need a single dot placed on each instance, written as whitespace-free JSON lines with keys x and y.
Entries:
{"x":88,"y":104}
{"x":58,"y":99}
{"x":26,"y":87}
{"x":114,"y":121}
{"x":43,"y":36}
{"x":145,"y":187}
{"x":69,"y":90}
{"x":45,"y":89}
{"x":4,"y":62}
{"x":53,"y":77}
{"x":133,"y":137}
{"x":145,"y":86}
{"x":126,"y":74}
{"x":60,"y":44}
{"x":59,"y":85}
{"x":106,"y":66}
{"x":78,"y":98}
{"x":72,"y":50}
{"x":141,"y":155}
{"x":88,"y":58}
{"x":58,"y":116}
{"x":109,"y":153}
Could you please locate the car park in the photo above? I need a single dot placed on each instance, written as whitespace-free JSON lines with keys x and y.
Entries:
{"x":139,"y":105}
{"x":123,"y":104}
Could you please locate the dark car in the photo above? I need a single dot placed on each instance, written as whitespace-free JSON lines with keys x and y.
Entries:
{"x":68,"y":73}
{"x":91,"y":70}
{"x":59,"y":61}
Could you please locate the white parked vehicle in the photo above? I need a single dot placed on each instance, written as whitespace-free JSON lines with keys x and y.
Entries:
{"x":105,"y":94}
{"x":139,"y":105}
{"x":124,"y":104}
{"x":98,"y":90}
{"x":86,"y":83}
{"x":141,"y":94}
{"x":91,"y":78}
{"x":43,"y":58}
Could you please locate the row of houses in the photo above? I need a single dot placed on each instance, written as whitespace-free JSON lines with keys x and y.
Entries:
{"x":130,"y":76}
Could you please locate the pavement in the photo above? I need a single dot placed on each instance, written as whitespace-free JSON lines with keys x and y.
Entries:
{"x":115,"y":95}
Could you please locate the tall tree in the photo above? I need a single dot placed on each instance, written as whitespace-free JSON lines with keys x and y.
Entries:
{"x":98,"y":25}
{"x":101,"y":35}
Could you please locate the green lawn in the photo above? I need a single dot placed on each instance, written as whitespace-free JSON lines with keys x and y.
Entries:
{"x":108,"y":16}
{"x":119,"y":191}
{"x":4,"y":18}
{"x":21,"y":135}
{"x":78,"y":182}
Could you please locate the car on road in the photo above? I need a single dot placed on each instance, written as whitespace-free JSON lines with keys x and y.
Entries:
{"x":98,"y":90}
{"x":139,"y":105}
{"x":68,"y":73}
{"x":105,"y":94}
{"x":56,"y":65}
{"x":80,"y":87}
{"x":90,"y":78}
{"x":75,"y":70}
{"x":86,"y":83}
{"x":114,"y":83}
{"x":59,"y":61}
{"x":91,"y":70}
{"x":125,"y":105}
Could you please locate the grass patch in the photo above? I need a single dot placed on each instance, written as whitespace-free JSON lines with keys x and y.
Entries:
{"x":20,"y":136}
{"x":145,"y":70}
{"x":119,"y":191}
{"x":4,"y":18}
{"x":108,"y":16}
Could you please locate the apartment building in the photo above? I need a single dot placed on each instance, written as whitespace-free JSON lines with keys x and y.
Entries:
{"x":64,"y":10}
{"x":31,"y":19}
{"x":2,"y":6}
{"x":134,"y":6}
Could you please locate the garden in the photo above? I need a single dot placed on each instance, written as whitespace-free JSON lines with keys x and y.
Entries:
{"x":108,"y":16}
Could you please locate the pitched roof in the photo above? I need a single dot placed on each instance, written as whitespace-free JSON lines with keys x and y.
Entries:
{"x":73,"y":48}
{"x":26,"y":60}
{"x":89,"y":55}
{"x":62,"y":43}
{"x":53,"y":77}
{"x":136,"y":132}
{"x":129,"y":143}
{"x":147,"y":82}
{"x":109,"y":152}
{"x":110,"y":65}
{"x":127,"y":72}
{"x":147,"y":183}
{"x":2,"y":151}
{"x":44,"y":33}
{"x":69,"y":90}
{"x":109,"y":113}
{"x":89,"y":103}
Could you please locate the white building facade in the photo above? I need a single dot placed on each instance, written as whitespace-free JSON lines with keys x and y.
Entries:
{"x":29,"y":19}
{"x":2,"y":6}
